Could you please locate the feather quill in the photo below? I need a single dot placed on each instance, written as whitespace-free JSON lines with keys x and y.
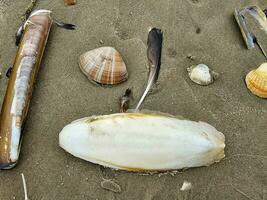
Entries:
{"x":65,"y":25}
{"x":154,"y":46}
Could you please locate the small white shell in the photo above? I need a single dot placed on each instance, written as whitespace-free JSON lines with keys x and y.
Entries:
{"x":104,"y":65}
{"x":201,"y":74}
{"x":186,"y":186}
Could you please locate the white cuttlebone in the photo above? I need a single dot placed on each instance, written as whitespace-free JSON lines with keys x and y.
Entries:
{"x":136,"y":141}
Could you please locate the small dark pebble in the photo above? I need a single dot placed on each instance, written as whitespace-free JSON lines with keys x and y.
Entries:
{"x":198,"y":30}
{"x":191,"y":57}
{"x":171,"y":52}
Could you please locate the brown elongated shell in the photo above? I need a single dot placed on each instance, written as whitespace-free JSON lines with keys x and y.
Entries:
{"x":256,"y":81}
{"x":21,"y":84}
{"x":104,"y":65}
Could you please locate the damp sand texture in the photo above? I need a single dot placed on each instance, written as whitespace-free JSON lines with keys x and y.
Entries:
{"x":204,"y":30}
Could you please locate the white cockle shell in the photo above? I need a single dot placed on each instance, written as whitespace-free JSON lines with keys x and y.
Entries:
{"x":201,"y":74}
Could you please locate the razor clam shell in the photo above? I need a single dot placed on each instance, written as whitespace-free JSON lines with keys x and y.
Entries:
{"x":246,"y":32}
{"x":104,"y":66}
{"x":257,"y":14}
{"x":143,"y":142}
{"x":256,"y":81}
{"x":20,"y":86}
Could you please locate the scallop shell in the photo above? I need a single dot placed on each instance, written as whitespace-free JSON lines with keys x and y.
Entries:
{"x":256,"y":81}
{"x":201,"y":74}
{"x":104,"y":65}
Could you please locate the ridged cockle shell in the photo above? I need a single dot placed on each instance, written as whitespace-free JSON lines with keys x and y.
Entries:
{"x":201,"y":74}
{"x":104,"y":65}
{"x":143,"y":141}
{"x":256,"y":81}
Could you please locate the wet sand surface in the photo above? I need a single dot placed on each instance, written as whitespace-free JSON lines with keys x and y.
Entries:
{"x":205,"y":29}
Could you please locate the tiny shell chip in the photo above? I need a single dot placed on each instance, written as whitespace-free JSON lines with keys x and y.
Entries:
{"x":201,"y":74}
{"x":70,"y":2}
{"x":186,"y":186}
{"x":256,"y":81}
{"x":111,"y":186}
{"x":104,"y":66}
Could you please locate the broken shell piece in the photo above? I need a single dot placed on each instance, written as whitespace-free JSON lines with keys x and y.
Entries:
{"x":70,"y":2}
{"x":201,"y":74}
{"x":256,"y":81}
{"x":111,"y":186}
{"x":104,"y":66}
{"x":186,"y":186}
{"x":247,"y":33}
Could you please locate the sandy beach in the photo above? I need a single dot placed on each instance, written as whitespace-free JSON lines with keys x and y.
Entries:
{"x":203,"y":29}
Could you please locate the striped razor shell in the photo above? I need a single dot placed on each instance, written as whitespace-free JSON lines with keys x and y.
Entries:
{"x":20,"y":86}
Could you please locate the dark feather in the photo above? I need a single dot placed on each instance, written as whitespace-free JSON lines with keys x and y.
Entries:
{"x":65,"y":25}
{"x":154,"y":47}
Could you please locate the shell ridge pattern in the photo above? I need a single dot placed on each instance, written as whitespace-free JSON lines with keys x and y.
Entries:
{"x":90,"y":65}
{"x":113,"y":66}
{"x":100,"y":71}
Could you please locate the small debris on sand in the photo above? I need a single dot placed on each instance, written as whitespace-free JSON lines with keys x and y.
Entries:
{"x":70,"y":2}
{"x":24,"y":187}
{"x":186,"y":186}
{"x":191,"y":57}
{"x":110,"y":185}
